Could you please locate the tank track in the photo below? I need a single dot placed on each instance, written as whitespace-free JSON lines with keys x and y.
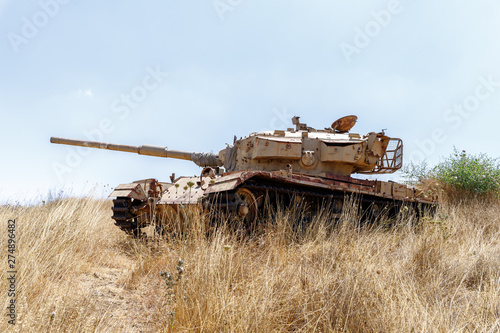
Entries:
{"x":124,"y":219}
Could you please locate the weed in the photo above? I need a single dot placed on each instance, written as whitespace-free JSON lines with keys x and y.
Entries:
{"x":171,"y":284}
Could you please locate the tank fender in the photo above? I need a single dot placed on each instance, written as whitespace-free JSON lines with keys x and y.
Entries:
{"x":234,"y":179}
{"x":132,"y":190}
{"x":186,"y":190}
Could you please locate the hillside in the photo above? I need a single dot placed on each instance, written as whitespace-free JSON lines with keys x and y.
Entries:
{"x":77,"y":272}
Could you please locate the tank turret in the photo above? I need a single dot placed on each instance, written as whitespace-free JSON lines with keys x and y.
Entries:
{"x":332,"y":151}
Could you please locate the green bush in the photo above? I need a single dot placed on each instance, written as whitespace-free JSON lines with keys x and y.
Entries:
{"x":475,"y":174}
{"x":478,"y":174}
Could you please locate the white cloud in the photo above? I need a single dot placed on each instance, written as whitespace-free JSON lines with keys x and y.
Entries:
{"x":86,"y":93}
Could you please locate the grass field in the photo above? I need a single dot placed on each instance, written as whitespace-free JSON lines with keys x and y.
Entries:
{"x":77,"y":272}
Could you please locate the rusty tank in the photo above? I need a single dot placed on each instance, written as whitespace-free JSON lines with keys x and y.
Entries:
{"x":299,"y":164}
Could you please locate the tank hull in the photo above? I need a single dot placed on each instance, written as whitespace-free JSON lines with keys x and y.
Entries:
{"x":240,"y":196}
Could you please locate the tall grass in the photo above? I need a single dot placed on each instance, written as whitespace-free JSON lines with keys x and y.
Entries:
{"x":442,"y":275}
{"x":58,"y":244}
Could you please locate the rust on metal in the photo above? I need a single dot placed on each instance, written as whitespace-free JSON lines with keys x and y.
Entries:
{"x":344,"y":124}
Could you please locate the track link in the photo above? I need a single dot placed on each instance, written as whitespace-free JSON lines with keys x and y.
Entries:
{"x":124,"y":219}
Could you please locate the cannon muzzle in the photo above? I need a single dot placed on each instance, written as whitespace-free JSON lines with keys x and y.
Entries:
{"x":201,"y":159}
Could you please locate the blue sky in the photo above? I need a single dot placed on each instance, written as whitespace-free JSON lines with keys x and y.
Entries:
{"x":191,"y":75}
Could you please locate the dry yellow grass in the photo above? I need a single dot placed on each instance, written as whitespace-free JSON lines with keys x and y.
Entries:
{"x":78,"y":273}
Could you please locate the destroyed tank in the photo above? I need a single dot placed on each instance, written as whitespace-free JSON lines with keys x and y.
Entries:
{"x":300,"y":164}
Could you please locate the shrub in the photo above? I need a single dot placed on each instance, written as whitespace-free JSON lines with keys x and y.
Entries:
{"x":477,"y":174}
{"x":460,"y":172}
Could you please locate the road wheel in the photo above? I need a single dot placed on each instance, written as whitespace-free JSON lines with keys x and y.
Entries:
{"x":246,"y":209}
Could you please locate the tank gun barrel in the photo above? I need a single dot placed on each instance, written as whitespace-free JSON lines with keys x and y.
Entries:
{"x":201,"y":159}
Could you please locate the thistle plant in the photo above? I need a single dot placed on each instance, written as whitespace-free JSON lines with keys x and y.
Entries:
{"x":171,"y":283}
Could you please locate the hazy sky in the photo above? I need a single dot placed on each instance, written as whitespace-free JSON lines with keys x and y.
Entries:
{"x":192,"y":74}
